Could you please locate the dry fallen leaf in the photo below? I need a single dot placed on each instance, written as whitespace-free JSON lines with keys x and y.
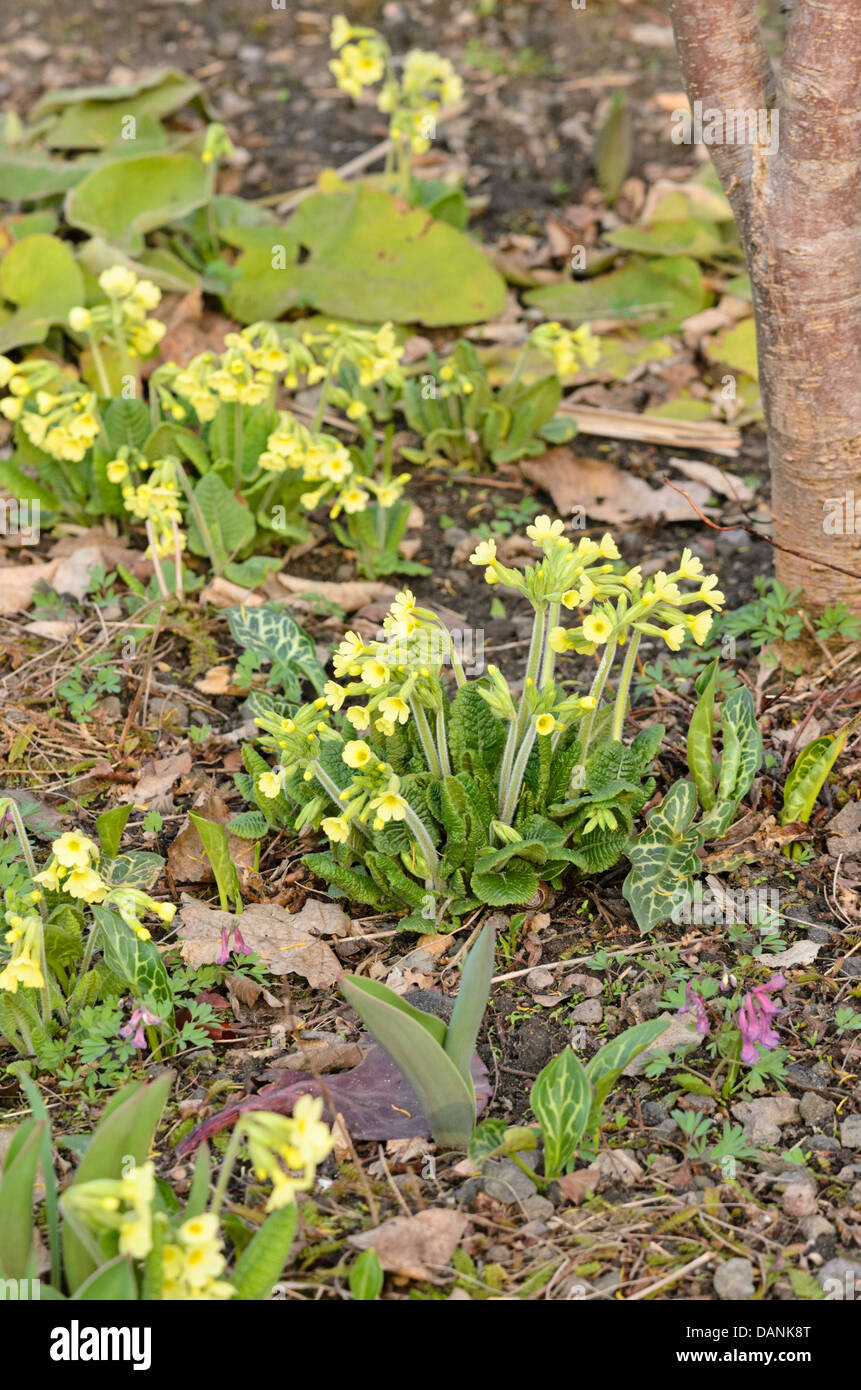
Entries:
{"x":157,"y":779}
{"x":605,"y":492}
{"x":18,"y":584}
{"x":186,"y":858}
{"x":350,"y":595}
{"x":415,"y":1246}
{"x":718,"y":480}
{"x":575,"y":1186}
{"x":221,"y":593}
{"x":287,"y":943}
{"x":216,"y":681}
{"x":802,"y":953}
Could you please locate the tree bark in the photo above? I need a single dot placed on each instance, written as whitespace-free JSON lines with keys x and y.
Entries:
{"x":798,"y":207}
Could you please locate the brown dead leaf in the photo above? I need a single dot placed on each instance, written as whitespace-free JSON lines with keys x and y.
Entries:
{"x":216,"y":681}
{"x":287,"y":943}
{"x":844,"y":830}
{"x":415,"y":1246}
{"x":222,"y":594}
{"x":55,"y":631}
{"x":350,"y":595}
{"x":607,"y":493}
{"x":18,"y":584}
{"x":718,"y":480}
{"x":575,"y":1186}
{"x":186,"y":859}
{"x":157,"y":779}
{"x":318,"y":1054}
{"x":619,"y":1165}
{"x":191,"y":331}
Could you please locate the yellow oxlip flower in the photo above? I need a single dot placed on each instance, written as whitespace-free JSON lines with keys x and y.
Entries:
{"x":664,"y":589}
{"x":335,"y":694}
{"x":270,"y":784}
{"x":359,"y":718}
{"x":690,"y":565}
{"x":545,"y":724}
{"x":608,"y":548}
{"x":395,"y":710}
{"x":117,"y":471}
{"x":203,"y":1263}
{"x":312,"y":1139}
{"x":356,"y":753}
{"x":389,"y":806}
{"x":73,"y":850}
{"x":710,"y":594}
{"x":674,"y":637}
{"x":587,"y":702}
{"x":543,"y":529}
{"x":199,"y":1230}
{"x":7,"y":370}
{"x":51,"y":876}
{"x":86,"y":885}
{"x":484,"y":553}
{"x":558,"y":640}
{"x":80,"y":319}
{"x":22,"y":970}
{"x":597,"y":628}
{"x":117,"y":282}
{"x":700,"y":627}
{"x":136,"y":1236}
{"x":172,"y":1262}
{"x":337,"y":828}
{"x":375,"y":673}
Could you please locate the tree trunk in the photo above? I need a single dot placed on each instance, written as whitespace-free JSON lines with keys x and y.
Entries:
{"x":797,"y":201}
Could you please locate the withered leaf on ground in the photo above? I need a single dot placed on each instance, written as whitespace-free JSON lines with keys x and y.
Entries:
{"x":608,"y":493}
{"x":374,"y":1099}
{"x":186,"y":858}
{"x":415,"y":1246}
{"x":287,"y":943}
{"x":158,"y":779}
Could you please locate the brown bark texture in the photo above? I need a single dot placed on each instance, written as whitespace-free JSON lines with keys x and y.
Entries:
{"x":797,"y":201}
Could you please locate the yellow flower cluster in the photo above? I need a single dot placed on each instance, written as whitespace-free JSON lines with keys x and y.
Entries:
{"x":25,"y":966}
{"x":246,"y":372}
{"x":57,"y":414}
{"x":123,"y":1205}
{"x":155,"y":501}
{"x":192,"y":1265}
{"x":285,"y":1150}
{"x":70,"y":869}
{"x":129,"y":301}
{"x":567,"y":350}
{"x":325,"y":463}
{"x":427,"y":80}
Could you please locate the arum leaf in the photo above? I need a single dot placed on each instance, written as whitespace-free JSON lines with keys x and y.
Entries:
{"x":663,"y":858}
{"x":742,"y":746}
{"x":561,"y":1099}
{"x":613,"y":148}
{"x":808,"y":776}
{"x":701,"y":735}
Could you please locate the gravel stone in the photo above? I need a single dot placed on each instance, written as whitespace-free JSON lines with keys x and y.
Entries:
{"x":734,"y":1280}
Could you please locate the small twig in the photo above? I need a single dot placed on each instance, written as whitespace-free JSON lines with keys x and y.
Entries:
{"x":142,"y":684}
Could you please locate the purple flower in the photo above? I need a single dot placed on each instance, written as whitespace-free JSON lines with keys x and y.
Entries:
{"x":755,"y":1016}
{"x":698,"y":1004}
{"x":134,"y":1029}
{"x":239,"y":945}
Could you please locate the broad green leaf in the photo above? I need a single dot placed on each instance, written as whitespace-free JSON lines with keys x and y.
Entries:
{"x":127,"y":424}
{"x":157,"y":264}
{"x":435,"y":1026}
{"x":808,"y":775}
{"x":124,"y":199}
{"x":657,"y":293}
{"x":663,"y":858}
{"x":701,"y":736}
{"x":742,"y":746}
{"x":217,"y":848}
{"x":39,"y":275}
{"x":511,"y":884}
{"x":110,"y":826}
{"x":366,"y":1276}
{"x":471,"y":1001}
{"x":126,"y":1132}
{"x":262,"y":1261}
{"x":735,"y":347}
{"x":561,"y":1099}
{"x":229,"y":524}
{"x":16,"y":1204}
{"x":700,"y":240}
{"x":27,"y":177}
{"x":613,"y":147}
{"x":445,"y":1097}
{"x":113,"y":1283}
{"x":137,"y":868}
{"x":371,"y":257}
{"x":95,"y":120}
{"x":49,"y":1176}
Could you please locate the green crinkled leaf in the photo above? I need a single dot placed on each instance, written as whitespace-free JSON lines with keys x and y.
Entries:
{"x":561,"y":1099}
{"x":514,"y":883}
{"x":127,"y":423}
{"x":663,"y":858}
{"x":742,"y":746}
{"x":248,"y":825}
{"x":92,"y":118}
{"x":230,"y":523}
{"x":262,"y":1261}
{"x":473,"y":726}
{"x":358,"y":887}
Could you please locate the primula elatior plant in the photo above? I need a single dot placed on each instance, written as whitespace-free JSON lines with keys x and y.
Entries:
{"x":568,"y":1100}
{"x":410,"y":98}
{"x":461,"y":417}
{"x":438,"y":803}
{"x":434,"y":1057}
{"x":113,"y":1235}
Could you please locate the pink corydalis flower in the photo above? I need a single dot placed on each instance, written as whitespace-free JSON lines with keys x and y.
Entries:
{"x":697,"y":1003}
{"x":134,"y":1029}
{"x":754,"y":1020}
{"x":239,"y":945}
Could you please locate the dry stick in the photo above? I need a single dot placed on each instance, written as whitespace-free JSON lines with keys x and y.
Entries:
{"x":286,"y":202}
{"x":759,"y":535}
{"x":141,"y":683}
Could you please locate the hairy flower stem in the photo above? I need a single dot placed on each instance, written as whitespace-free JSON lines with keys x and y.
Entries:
{"x":99,"y":364}
{"x":426,"y":739}
{"x":624,"y":685}
{"x":8,"y":807}
{"x":595,"y":693}
{"x":442,"y":743}
{"x":533,"y":664}
{"x":335,"y":793}
{"x":194,"y":508}
{"x":512,"y":795}
{"x":428,"y":853}
{"x":548,"y":660}
{"x":159,"y":573}
{"x":237,"y":446}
